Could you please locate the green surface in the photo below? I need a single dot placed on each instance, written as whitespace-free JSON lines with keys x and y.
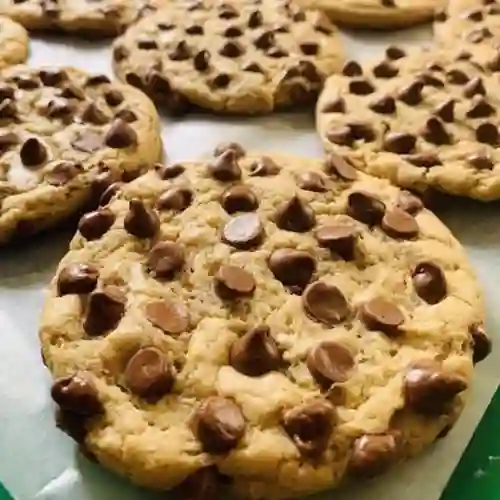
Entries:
{"x":4,"y":495}
{"x":477,"y":475}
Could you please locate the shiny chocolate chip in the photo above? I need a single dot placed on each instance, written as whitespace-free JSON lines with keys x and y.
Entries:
{"x":120,"y":135}
{"x":338,"y":166}
{"x":365,"y":207}
{"x":171,"y":317}
{"x":429,"y":282}
{"x":176,"y":199}
{"x":33,"y":153}
{"x":77,"y":394}
{"x":93,"y":225}
{"x":339,"y":238}
{"x":232,"y":282}
{"x":295,"y":215}
{"x":105,"y":310}
{"x":325,"y":303}
{"x":399,"y":224}
{"x":399,"y":142}
{"x":77,"y":278}
{"x":381,"y":315}
{"x":487,"y":133}
{"x":243,"y":232}
{"x":263,"y":167}
{"x":481,"y":343}
{"x":409,"y":202}
{"x":255,"y":353}
{"x":225,"y":167}
{"x":140,"y":221}
{"x":312,"y":181}
{"x":239,"y":198}
{"x":330,"y":363}
{"x":373,"y":454}
{"x":165,"y":259}
{"x":292,"y":267}
{"x":385,"y":70}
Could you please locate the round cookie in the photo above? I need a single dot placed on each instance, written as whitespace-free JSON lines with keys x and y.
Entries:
{"x":14,"y":43}
{"x":252,"y":319}
{"x":99,"y":18}
{"x":428,"y":118}
{"x":376,"y":14}
{"x":468,"y":22}
{"x":244,"y":57}
{"x":65,"y":136}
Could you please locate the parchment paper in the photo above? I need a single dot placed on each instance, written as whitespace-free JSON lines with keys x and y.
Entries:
{"x":39,"y":462}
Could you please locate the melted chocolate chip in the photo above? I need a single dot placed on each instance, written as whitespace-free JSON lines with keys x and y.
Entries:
{"x":382,"y":315}
{"x":291,"y":267}
{"x":338,"y":238}
{"x":93,"y":225}
{"x":330,"y":363}
{"x":295,"y":215}
{"x":399,"y":142}
{"x":165,"y":259}
{"x":232,"y":282}
{"x":243,"y":232}
{"x":77,"y":394}
{"x":429,"y":282}
{"x":120,"y":135}
{"x":312,"y":181}
{"x":339,"y":167}
{"x":325,"y":303}
{"x":365,"y":207}
{"x":171,"y":317}
{"x":175,"y":198}
{"x":409,"y":202}
{"x":105,"y":310}
{"x":385,"y":70}
{"x":399,"y":224}
{"x":263,"y":167}
{"x":141,"y":221}
{"x":77,"y":278}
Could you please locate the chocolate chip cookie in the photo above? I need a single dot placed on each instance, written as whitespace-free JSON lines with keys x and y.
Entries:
{"x":65,"y":136}
{"x":472,"y":22}
{"x":428,"y":118}
{"x":377,"y":14}
{"x":250,"y":320}
{"x":96,"y":17}
{"x":14,"y":43}
{"x":245,"y":57}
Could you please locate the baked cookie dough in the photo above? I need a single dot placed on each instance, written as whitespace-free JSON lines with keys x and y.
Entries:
{"x":96,"y":17}
{"x":474,"y":22}
{"x":245,"y":57}
{"x":253,"y":320}
{"x":376,"y":14}
{"x":65,"y":136}
{"x":423,"y":119}
{"x":14,"y":43}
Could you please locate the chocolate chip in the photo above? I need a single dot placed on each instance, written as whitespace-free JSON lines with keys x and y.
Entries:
{"x":253,"y":68}
{"x":167,"y":172}
{"x":62,"y":172}
{"x":276,"y":52}
{"x":171,"y":317}
{"x":33,"y":153}
{"x":457,"y":77}
{"x":7,"y":140}
{"x":365,"y":207}
{"x":429,"y":390}
{"x":309,"y":48}
{"x":148,"y":374}
{"x":399,"y":142}
{"x":440,"y":16}
{"x":312,"y":181}
{"x":181,"y":52}
{"x":481,"y":161}
{"x":77,"y":278}
{"x":120,"y":135}
{"x":494,"y":64}
{"x":361,"y":131}
{"x":96,"y":80}
{"x":233,"y":32}
{"x":219,"y":425}
{"x":382,"y":315}
{"x":231,"y":50}
{"x":77,"y":394}
{"x":232,"y":282}
{"x":109,"y":193}
{"x":412,"y":94}
{"x":373,"y":454}
{"x":72,"y":424}
{"x":435,"y":132}
{"x":481,"y":343}
{"x":237,"y":149}
{"x":94,"y":114}
{"x":165,"y":259}
{"x":59,"y":108}
{"x":329,"y":363}
{"x":175,"y":198}
{"x":400,"y":224}
{"x":479,"y":35}
{"x":409,"y":202}
{"x":446,"y":110}
{"x":310,"y":426}
{"x":8,"y":109}
{"x":474,"y":15}
{"x":239,"y":198}
{"x":386,"y":105}
{"x":429,"y":282}
{"x":243,"y":232}
{"x":227,"y":12}
{"x":141,"y":221}
{"x":335,"y":106}
{"x":340,"y":135}
{"x":255,"y":20}
{"x":201,"y":60}
{"x":120,"y":53}
{"x":339,"y":167}
{"x":88,"y":141}
{"x":295,"y":215}
{"x":93,"y":225}
{"x":325,"y":303}
{"x":388,"y":3}
{"x":487,"y":133}
{"x":394,"y":53}
{"x":425,"y":160}
{"x":352,"y":68}
{"x":204,"y":484}
{"x":225,"y":167}
{"x":338,"y":238}
{"x":52,"y":77}
{"x":263,"y":167}
{"x":474,"y":87}
{"x":105,"y":310}
{"x":256,"y":353}
{"x":265,"y":41}
{"x":293,"y":268}
{"x":385,"y":70}
{"x":360,"y":86}
{"x":431,"y":81}
{"x":480,"y":108}
{"x":463,"y":55}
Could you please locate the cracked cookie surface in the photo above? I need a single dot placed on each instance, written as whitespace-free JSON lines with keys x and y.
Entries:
{"x":249,"y":320}
{"x":376,"y":14}
{"x":65,"y":136}
{"x":14,"y":43}
{"x":428,"y":118}
{"x":245,"y":57}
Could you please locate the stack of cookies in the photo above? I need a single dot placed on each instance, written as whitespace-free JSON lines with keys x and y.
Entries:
{"x":252,"y":323}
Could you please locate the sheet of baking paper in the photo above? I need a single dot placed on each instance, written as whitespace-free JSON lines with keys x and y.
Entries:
{"x":37,"y":462}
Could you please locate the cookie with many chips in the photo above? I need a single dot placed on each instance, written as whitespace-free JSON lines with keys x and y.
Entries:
{"x":424,"y":119}
{"x":246,"y":57}
{"x":14,"y":43}
{"x":376,"y":14}
{"x":248,"y":320}
{"x":65,"y":136}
